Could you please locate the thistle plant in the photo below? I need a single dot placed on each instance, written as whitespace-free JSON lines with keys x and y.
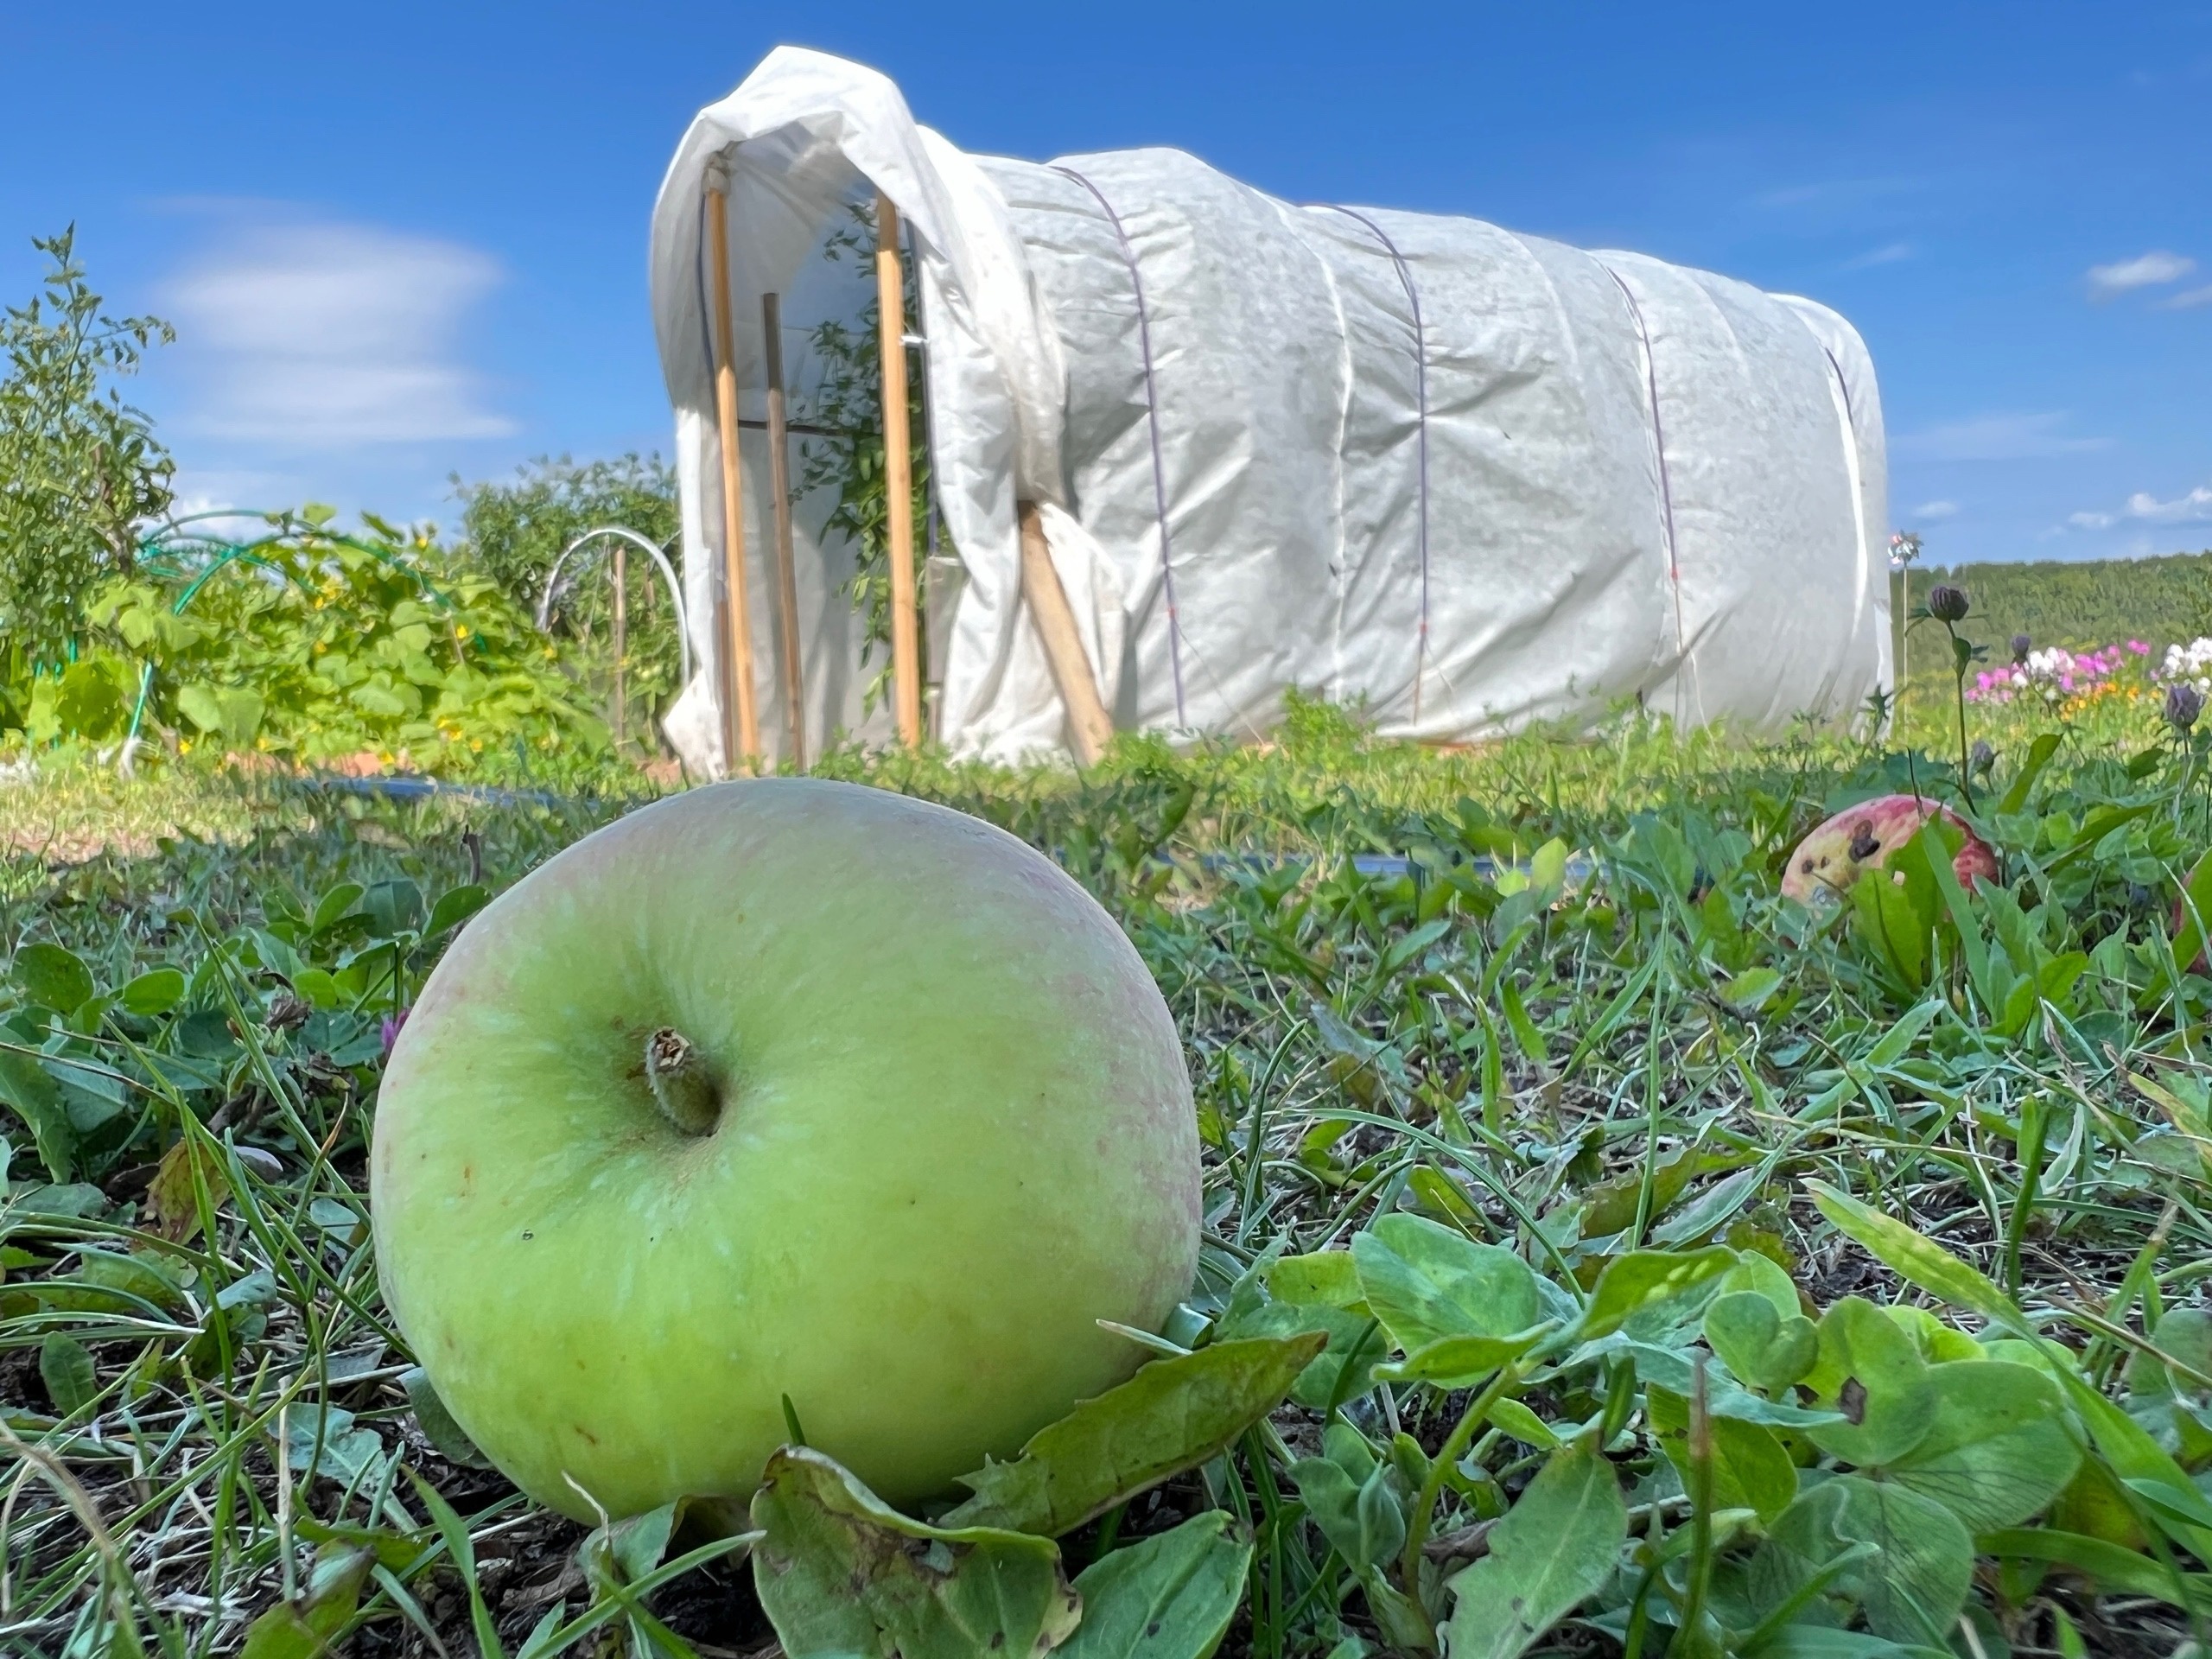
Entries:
{"x":2184,"y":703}
{"x":1949,"y":606}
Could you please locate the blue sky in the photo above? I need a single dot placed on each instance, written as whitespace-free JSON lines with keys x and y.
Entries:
{"x":408,"y":240}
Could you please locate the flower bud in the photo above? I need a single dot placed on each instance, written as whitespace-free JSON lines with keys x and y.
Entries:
{"x":1946,"y":604}
{"x":2184,"y":703}
{"x":2021,"y":646}
{"x":1980,"y":758}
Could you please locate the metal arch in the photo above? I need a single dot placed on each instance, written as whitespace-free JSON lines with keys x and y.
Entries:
{"x":552,"y":592}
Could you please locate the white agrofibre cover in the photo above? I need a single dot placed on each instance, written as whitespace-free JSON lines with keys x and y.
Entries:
{"x":1471,"y":479}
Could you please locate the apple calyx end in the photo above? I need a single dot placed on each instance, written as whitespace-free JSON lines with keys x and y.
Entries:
{"x":682,"y":1089}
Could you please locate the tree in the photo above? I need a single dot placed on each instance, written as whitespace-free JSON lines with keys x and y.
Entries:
{"x":81,"y":470}
{"x":515,"y":531}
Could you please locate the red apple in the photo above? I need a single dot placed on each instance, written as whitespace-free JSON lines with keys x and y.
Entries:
{"x":1862,"y":838}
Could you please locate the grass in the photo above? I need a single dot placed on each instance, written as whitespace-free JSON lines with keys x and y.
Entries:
{"x":210,"y":1410}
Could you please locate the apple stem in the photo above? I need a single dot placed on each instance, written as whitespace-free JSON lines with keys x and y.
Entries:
{"x":685,"y":1093}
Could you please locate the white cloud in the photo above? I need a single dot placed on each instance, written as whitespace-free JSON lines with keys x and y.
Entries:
{"x":230,"y":501}
{"x":2195,"y":508}
{"x":1831,"y":193}
{"x":328,"y":336}
{"x":2022,"y":437}
{"x":1929,"y":512}
{"x":216,"y":512}
{"x":2188,"y":299}
{"x":2143,"y":507}
{"x":1888,"y":254}
{"x":2150,"y":269}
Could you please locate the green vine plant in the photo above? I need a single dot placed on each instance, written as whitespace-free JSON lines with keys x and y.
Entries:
{"x":845,"y":456}
{"x":306,"y":646}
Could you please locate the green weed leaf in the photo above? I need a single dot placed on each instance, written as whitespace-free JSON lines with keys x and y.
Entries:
{"x":1644,"y":1280}
{"x":1672,"y":1368}
{"x":1427,"y":1282}
{"x":1750,"y":1469}
{"x":2039,"y":752}
{"x":1910,"y":1590}
{"x":1870,"y":1371}
{"x":398,"y":1551}
{"x":335,"y":904}
{"x":1356,"y":1340}
{"x":1997,"y":1449}
{"x":1462,"y":1362}
{"x":324,"y":1440}
{"x":841,"y":1573}
{"x":1918,"y":1260}
{"x":304,"y":1629}
{"x":1171,"y":1415}
{"x":1759,"y":1344}
{"x":1356,"y":1498}
{"x":1168,"y":1596}
{"x":2128,"y":1570}
{"x":53,"y":977}
{"x":1893,"y":914}
{"x":1555,"y":1547}
{"x":1325,"y":1276}
{"x":65,"y":1365}
{"x":154,"y":992}
{"x":28,"y":1090}
{"x":455,"y":906}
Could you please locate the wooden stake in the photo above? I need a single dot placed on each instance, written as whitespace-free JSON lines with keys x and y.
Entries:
{"x":1089,"y":724}
{"x":898,"y":475}
{"x":741,"y":720}
{"x":780,"y":482}
{"x":621,"y":634}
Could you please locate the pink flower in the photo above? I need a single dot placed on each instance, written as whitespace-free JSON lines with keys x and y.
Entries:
{"x":2139,"y":648}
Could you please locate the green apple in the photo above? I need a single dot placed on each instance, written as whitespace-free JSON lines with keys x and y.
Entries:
{"x":777,"y":1089}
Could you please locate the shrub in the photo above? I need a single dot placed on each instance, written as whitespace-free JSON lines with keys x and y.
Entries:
{"x":80,"y":469}
{"x":514,"y":531}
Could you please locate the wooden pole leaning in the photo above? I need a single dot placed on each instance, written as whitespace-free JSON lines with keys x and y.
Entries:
{"x":1090,"y":726}
{"x":740,"y":718}
{"x":898,"y":475}
{"x":621,"y":638}
{"x":779,"y":484}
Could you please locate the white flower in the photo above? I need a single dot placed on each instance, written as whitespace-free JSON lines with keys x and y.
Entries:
{"x":2190,"y":662}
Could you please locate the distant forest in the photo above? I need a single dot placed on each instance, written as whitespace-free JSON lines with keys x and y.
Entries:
{"x":2077,"y":604}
